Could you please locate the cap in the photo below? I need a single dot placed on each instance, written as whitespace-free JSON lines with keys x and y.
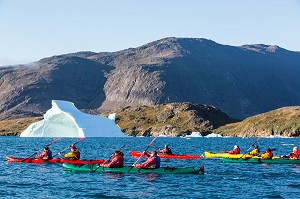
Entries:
{"x":46,"y":148}
{"x":73,"y":146}
{"x":236,"y":146}
{"x":295,"y":148}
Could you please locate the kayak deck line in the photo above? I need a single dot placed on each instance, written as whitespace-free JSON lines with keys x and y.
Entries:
{"x":261,"y":160}
{"x":136,"y":154}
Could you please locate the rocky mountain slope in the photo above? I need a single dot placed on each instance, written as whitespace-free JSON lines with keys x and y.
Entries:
{"x":241,"y":81}
{"x":280,"y":122}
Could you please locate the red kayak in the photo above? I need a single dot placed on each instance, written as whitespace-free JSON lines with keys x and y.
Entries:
{"x":54,"y":160}
{"x":162,"y":155}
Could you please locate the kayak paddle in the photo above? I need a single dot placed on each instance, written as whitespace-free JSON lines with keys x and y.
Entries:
{"x":143,"y":153}
{"x":69,"y":147}
{"x":119,"y":149}
{"x":46,"y":146}
{"x":250,"y":147}
{"x":156,"y":146}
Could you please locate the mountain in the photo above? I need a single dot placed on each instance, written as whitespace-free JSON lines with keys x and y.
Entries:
{"x":241,"y":81}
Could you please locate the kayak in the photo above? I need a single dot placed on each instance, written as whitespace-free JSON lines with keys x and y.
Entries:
{"x":227,"y":155}
{"x":54,"y":160}
{"x":261,"y":161}
{"x":162,"y":155}
{"x":224,"y":155}
{"x":130,"y":169}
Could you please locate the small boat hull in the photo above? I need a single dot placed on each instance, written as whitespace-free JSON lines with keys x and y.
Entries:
{"x":54,"y":160}
{"x":227,"y":155}
{"x":130,"y":169}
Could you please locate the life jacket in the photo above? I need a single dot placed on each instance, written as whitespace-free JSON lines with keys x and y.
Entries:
{"x":235,"y":151}
{"x":77,"y":154}
{"x":73,"y":155}
{"x":255,"y":152}
{"x":267,"y":155}
{"x":46,"y":155}
{"x":166,"y":151}
{"x":50,"y":154}
{"x":116,"y":162}
{"x":157,"y":161}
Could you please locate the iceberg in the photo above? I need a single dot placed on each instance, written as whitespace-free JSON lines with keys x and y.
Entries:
{"x":213,"y":135}
{"x":194,"y":134}
{"x":65,"y":120}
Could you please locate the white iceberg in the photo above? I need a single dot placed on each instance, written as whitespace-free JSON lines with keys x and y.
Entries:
{"x":65,"y":120}
{"x":213,"y":135}
{"x":194,"y":134}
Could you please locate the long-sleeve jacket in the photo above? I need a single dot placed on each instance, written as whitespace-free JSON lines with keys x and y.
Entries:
{"x":151,"y":162}
{"x":267,"y":155}
{"x":166,"y":151}
{"x":73,"y":155}
{"x":255,"y":152}
{"x":294,"y":155}
{"x":116,"y":162}
{"x":234,"y":151}
{"x":45,"y":155}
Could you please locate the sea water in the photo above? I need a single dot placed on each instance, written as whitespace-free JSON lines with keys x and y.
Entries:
{"x":221,"y":180}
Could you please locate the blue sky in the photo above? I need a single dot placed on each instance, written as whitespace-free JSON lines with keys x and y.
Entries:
{"x":34,"y":29}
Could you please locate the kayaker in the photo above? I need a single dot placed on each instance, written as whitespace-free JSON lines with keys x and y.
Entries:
{"x":294,"y":155}
{"x":255,"y":151}
{"x":74,"y":154}
{"x":166,"y":150}
{"x":46,"y":155}
{"x":267,"y":155}
{"x":116,"y":162}
{"x":153,"y":161}
{"x":236,"y":150}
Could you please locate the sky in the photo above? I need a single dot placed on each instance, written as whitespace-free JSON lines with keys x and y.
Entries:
{"x":33,"y":29}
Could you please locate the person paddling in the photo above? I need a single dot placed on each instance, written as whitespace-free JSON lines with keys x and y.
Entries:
{"x":236,"y":150}
{"x":116,"y":162}
{"x":267,"y":155}
{"x":74,"y":154}
{"x":255,"y":151}
{"x":46,"y":155}
{"x":166,"y":150}
{"x":153,"y":161}
{"x":294,"y":155}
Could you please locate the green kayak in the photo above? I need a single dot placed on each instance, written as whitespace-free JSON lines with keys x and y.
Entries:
{"x":261,"y":161}
{"x":130,"y":169}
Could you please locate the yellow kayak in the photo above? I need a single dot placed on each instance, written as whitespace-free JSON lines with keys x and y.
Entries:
{"x":227,"y":155}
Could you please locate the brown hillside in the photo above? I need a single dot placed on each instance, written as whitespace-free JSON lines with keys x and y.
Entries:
{"x":283,"y":121}
{"x":174,"y":119}
{"x":16,"y":126}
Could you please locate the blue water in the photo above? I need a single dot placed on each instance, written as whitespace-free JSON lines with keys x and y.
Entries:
{"x":221,"y":180}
